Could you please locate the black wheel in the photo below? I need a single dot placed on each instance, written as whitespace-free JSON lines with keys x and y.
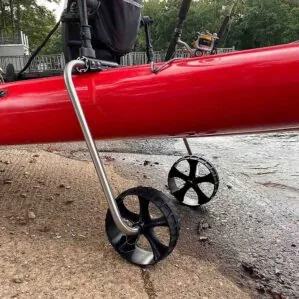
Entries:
{"x":193,"y":181}
{"x":159,"y":227}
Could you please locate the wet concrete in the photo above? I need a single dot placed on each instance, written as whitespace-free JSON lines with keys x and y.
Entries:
{"x":252,"y":229}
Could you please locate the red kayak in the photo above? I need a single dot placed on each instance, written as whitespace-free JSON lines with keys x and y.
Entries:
{"x":241,"y":92}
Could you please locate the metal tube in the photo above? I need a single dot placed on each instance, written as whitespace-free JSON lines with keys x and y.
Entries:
{"x":93,"y":150}
{"x":182,"y":43}
{"x":187,"y":146}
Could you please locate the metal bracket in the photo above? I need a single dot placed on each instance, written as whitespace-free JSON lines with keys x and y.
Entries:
{"x":94,"y":65}
{"x":121,"y":225}
{"x":188,"y":48}
{"x":157,"y":70}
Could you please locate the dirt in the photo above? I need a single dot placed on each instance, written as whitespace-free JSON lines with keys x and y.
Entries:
{"x":53,"y":242}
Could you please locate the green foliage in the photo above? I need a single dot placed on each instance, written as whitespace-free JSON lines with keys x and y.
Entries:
{"x":254,"y":23}
{"x":54,"y":45}
{"x":34,"y":20}
{"x":265,"y":23}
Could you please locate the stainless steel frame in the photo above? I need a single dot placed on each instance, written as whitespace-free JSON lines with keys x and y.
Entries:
{"x":189,"y":49}
{"x":121,"y":225}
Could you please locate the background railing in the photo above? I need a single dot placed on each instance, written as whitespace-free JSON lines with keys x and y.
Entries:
{"x":39,"y":64}
{"x":57,"y":62}
{"x":137,"y":58}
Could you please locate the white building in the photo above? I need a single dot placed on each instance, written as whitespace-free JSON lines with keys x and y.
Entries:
{"x":11,"y":48}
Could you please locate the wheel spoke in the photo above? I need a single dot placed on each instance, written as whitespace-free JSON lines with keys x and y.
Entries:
{"x":193,"y":166}
{"x":127,"y":244}
{"x":175,"y":173}
{"x":127,"y":214}
{"x":158,"y":231}
{"x":209,"y":178}
{"x":202,"y":198}
{"x":180,"y":194}
{"x":159,"y":249}
{"x":161,"y":221}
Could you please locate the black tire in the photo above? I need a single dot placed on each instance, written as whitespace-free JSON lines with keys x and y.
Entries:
{"x":193,"y":181}
{"x":127,"y":246}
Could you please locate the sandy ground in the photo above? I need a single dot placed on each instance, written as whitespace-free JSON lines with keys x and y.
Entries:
{"x":250,"y":229}
{"x":53,"y":242}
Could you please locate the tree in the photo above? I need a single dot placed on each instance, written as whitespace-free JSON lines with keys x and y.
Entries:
{"x":265,"y":23}
{"x":255,"y":23}
{"x":27,"y":15}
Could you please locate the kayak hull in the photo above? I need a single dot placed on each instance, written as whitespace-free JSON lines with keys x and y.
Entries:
{"x":242,"y":92}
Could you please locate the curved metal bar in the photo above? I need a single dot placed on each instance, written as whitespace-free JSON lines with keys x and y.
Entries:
{"x":156,"y":70}
{"x":93,"y":150}
{"x":184,"y":44}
